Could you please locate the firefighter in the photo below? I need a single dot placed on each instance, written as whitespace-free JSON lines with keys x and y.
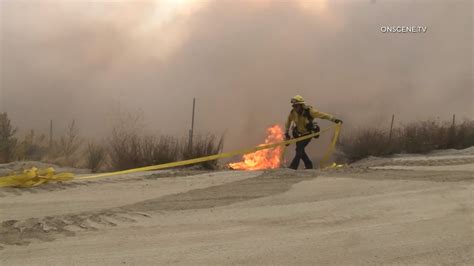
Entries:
{"x":301,"y":121}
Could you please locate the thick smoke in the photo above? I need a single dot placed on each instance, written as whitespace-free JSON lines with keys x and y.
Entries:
{"x":242,"y":60}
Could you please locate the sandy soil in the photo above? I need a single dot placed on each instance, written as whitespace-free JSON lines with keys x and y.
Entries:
{"x":399,"y":211}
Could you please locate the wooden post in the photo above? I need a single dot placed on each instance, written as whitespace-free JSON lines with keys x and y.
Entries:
{"x":51,"y":134}
{"x":452,"y":134}
{"x":191,"y":132}
{"x":391,"y":128}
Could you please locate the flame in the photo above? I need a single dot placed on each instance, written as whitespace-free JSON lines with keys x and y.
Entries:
{"x":264,"y":159}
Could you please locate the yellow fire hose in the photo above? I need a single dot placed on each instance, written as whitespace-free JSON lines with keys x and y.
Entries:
{"x":34,"y":177}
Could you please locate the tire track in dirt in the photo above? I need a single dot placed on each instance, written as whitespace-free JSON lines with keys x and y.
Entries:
{"x":23,"y":232}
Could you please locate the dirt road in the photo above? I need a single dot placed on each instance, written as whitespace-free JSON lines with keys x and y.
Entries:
{"x":393,"y":212}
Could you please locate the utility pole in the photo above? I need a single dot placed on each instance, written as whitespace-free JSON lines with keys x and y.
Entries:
{"x":454,"y":120}
{"x":191,"y":131}
{"x":391,"y":128}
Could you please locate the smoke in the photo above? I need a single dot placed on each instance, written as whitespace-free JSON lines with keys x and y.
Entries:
{"x":242,"y":60}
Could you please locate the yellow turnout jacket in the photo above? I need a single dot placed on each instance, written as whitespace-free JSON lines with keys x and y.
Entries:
{"x":300,"y":120}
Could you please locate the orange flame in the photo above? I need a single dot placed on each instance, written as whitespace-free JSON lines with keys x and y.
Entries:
{"x":263,"y":159}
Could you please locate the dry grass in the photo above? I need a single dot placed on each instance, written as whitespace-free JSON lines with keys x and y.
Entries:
{"x":95,"y":156}
{"x":417,"y":137}
{"x":7,"y":140}
{"x":130,"y":150}
{"x":203,"y":146}
{"x":67,"y":150}
{"x":36,"y":147}
{"x":158,"y":150}
{"x":462,"y":135}
{"x":364,"y":143}
{"x":126,"y":148}
{"x":70,"y":143}
{"x":33,"y":147}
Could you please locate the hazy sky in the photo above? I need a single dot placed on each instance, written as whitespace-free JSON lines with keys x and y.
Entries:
{"x":242,"y":60}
